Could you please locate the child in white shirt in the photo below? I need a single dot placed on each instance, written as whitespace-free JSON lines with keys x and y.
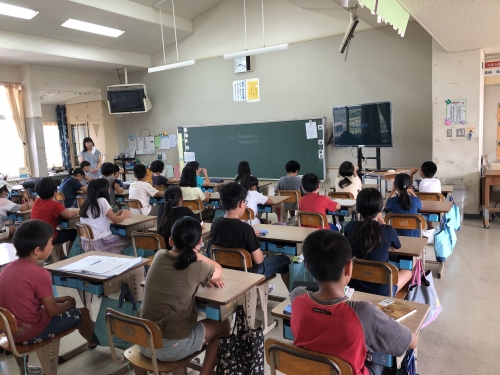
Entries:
{"x":348,"y":180}
{"x":429,"y":184}
{"x":254,"y":198}
{"x":7,"y":205}
{"x":143,"y":191}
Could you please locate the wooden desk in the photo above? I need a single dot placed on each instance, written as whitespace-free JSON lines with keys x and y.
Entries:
{"x":69,"y":223}
{"x":411,"y":247}
{"x":212,"y":187}
{"x":134,"y":223}
{"x":19,"y":215}
{"x":214,"y":197}
{"x":386,"y":176}
{"x":263,"y":187}
{"x":347,"y":206}
{"x":363,"y":186}
{"x":490,"y":179}
{"x":120,"y":197}
{"x":294,"y":236}
{"x":432,"y":207}
{"x":7,"y":254}
{"x":204,"y":231}
{"x":446,"y":189}
{"x":277,"y":201}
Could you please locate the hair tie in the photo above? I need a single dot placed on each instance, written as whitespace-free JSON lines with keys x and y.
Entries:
{"x":404,"y":186}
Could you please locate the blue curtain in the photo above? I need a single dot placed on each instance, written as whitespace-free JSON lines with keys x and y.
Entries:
{"x":63,"y":135}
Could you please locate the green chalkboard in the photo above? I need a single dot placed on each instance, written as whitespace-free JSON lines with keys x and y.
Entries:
{"x":267,"y":146}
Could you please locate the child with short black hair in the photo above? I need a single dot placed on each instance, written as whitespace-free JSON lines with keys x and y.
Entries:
{"x":348,"y":180}
{"x":199,"y":181}
{"x":85,"y":165}
{"x":116,"y":175}
{"x":7,"y":230}
{"x":313,"y":201}
{"x":71,"y":185}
{"x":47,"y":209}
{"x":230,"y":231}
{"x":108,"y":173}
{"x":157,"y":168}
{"x":143,"y":191}
{"x":27,"y":291}
{"x":327,"y":322}
{"x":429,"y":184}
{"x":291,"y":182}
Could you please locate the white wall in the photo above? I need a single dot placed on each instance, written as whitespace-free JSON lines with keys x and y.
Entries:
{"x":9,"y":74}
{"x":306,"y":80}
{"x":49,"y":112}
{"x":491,"y":101}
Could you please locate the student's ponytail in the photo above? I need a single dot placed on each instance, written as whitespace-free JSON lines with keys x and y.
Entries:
{"x":186,"y":234}
{"x":402,"y":183}
{"x":245,"y":181}
{"x":173,"y":194}
{"x":367,"y":235}
{"x":346,"y":170}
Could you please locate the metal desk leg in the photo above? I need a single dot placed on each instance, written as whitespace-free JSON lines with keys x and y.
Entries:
{"x":251,"y":306}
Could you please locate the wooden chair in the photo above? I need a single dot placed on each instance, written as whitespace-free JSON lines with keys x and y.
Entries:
{"x":85,"y":231}
{"x":80,"y":201}
{"x":406,"y":221}
{"x":313,"y":219}
{"x":148,"y":241}
{"x":194,"y":205}
{"x":134,"y":204}
{"x":294,"y":197}
{"x":375,"y":272}
{"x":248,"y":215}
{"x":47,"y":351}
{"x":242,"y":260}
{"x":430,"y":196}
{"x":60,"y":197}
{"x":292,"y":360}
{"x":142,"y":332}
{"x":340,"y":195}
{"x":160,"y":187}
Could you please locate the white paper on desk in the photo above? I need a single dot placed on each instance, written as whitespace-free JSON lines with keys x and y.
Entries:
{"x":101,"y":266}
{"x":164,"y":143}
{"x":311,"y":130}
{"x":173,"y":140}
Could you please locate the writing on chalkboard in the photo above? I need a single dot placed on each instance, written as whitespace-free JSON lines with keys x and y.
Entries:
{"x":243,"y":136}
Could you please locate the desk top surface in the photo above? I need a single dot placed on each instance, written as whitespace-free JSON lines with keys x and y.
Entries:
{"x":277,"y":199}
{"x":135,"y":219}
{"x":237,"y":283}
{"x":436,"y":207}
{"x":284,"y":233}
{"x":445,"y":189}
{"x":411,"y":246}
{"x":363,"y":186}
{"x":385,"y":174}
{"x":492,"y":173}
{"x":413,"y":322}
{"x":7,"y":254}
{"x":54,"y":267}
{"x":264,"y":183}
{"x":346,"y":203}
{"x":214,"y":196}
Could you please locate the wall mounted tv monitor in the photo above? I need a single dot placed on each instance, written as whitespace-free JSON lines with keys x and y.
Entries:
{"x":363,"y":125}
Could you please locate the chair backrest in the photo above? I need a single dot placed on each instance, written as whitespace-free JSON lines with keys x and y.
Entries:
{"x":85,"y":231}
{"x":430,"y":196}
{"x":194,"y":205}
{"x":340,"y":195}
{"x":294,"y":195}
{"x":80,"y":201}
{"x":406,"y":221}
{"x":231,"y":257}
{"x":313,"y":219}
{"x":248,"y":215}
{"x":133,"y":203}
{"x":375,"y":272}
{"x":292,"y":360}
{"x":60,"y":197}
{"x":159,"y":187}
{"x":8,"y":325}
{"x":134,"y":330}
{"x":148,"y":241}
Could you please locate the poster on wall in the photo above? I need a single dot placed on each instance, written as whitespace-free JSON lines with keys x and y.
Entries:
{"x":253,"y":90}
{"x":456,"y":111}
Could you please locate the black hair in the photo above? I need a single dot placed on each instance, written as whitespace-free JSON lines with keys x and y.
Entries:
{"x":346,"y":170}
{"x":248,"y":181}
{"x":139,"y":171}
{"x":243,"y":168}
{"x":173,"y":194}
{"x":193,"y":164}
{"x":46,"y":188}
{"x":188,"y":177}
{"x":4,"y":189}
{"x":310,"y":182}
{"x":325,"y":253}
{"x":97,"y":188}
{"x":107,"y":169}
{"x":30,"y":235}
{"x":157,"y":166}
{"x":429,"y":169}
{"x":403,"y":182}
{"x":85,"y":140}
{"x":75,"y":171}
{"x":117,"y":168}
{"x":292,"y":166}
{"x":186,"y":234}
{"x":367,"y":236}
{"x":231,"y":195}
{"x":84,"y":164}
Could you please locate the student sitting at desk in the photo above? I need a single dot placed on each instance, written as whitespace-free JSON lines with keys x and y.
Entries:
{"x":405,"y":202}
{"x":171,"y":211}
{"x":191,"y":192}
{"x":348,"y":180}
{"x":47,"y":209}
{"x":85,"y":165}
{"x":71,"y":185}
{"x":143,"y":191}
{"x":230,"y":231}
{"x":313,"y":202}
{"x":108,"y":173}
{"x":327,"y":322}
{"x":27,"y":291}
{"x":291,"y":182}
{"x":96,"y":212}
{"x":243,"y":169}
{"x":7,"y":205}
{"x":116,"y":175}
{"x":157,"y":168}
{"x":429,"y":184}
{"x":173,"y":308}
{"x":371,"y":239}
{"x":254,"y":198}
{"x":199,"y":181}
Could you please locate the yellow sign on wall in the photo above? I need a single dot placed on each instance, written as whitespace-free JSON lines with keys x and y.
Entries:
{"x":253,"y":90}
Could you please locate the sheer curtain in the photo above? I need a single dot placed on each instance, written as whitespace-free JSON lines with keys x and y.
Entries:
{"x":15,"y":100}
{"x":52,"y":146}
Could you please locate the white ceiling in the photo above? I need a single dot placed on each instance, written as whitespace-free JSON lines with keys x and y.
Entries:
{"x":186,"y":8}
{"x":64,"y":94}
{"x":459,"y":25}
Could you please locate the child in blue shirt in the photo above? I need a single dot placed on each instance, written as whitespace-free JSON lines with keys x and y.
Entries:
{"x":404,"y":201}
{"x":199,"y":181}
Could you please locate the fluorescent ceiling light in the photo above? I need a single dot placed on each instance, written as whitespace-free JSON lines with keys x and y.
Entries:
{"x":257,"y":51}
{"x":92,"y":28}
{"x":14,"y":11}
{"x":171,"y":66}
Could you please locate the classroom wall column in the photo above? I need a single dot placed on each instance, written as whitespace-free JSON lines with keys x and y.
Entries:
{"x":458,"y":75}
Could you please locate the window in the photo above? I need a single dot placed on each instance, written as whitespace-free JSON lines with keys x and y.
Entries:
{"x":11,"y":150}
{"x":52,"y":145}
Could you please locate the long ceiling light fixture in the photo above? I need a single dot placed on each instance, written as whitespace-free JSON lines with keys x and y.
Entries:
{"x":257,"y":51}
{"x":18,"y":12}
{"x":92,"y":28}
{"x":178,"y":64}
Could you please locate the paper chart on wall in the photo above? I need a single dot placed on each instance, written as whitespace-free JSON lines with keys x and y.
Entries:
{"x":189,"y":156}
{"x":456,"y":111}
{"x":164,"y":143}
{"x":173,"y":140}
{"x":145,"y":145}
{"x":311,"y":130}
{"x":131,"y":142}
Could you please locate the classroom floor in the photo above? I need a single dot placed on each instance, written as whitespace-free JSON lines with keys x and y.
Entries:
{"x":463,"y":339}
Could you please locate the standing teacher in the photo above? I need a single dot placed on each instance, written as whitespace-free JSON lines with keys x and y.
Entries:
{"x":93,"y":156}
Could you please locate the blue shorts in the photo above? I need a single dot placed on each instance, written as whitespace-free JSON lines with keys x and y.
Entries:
{"x":58,"y":324}
{"x":273,"y":265}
